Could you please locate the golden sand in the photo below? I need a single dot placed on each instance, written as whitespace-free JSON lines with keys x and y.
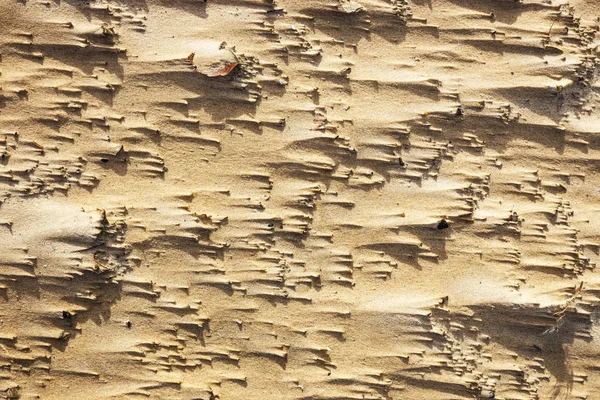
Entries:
{"x":301,"y":199}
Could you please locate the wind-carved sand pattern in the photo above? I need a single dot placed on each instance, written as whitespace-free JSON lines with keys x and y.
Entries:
{"x":251,"y":199}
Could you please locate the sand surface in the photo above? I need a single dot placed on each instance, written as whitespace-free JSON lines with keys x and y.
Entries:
{"x":299,"y":199}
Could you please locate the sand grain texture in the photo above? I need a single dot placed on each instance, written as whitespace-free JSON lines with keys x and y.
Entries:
{"x":316,"y":200}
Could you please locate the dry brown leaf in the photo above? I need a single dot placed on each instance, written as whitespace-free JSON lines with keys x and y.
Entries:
{"x":226,"y":70}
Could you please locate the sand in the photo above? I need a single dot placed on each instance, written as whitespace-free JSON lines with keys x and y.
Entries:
{"x":299,"y":199}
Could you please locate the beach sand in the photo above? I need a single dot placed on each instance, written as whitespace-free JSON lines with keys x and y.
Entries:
{"x":299,"y":199}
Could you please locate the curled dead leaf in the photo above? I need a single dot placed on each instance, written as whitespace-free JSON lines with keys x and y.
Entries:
{"x":212,"y":59}
{"x":226,"y":70}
